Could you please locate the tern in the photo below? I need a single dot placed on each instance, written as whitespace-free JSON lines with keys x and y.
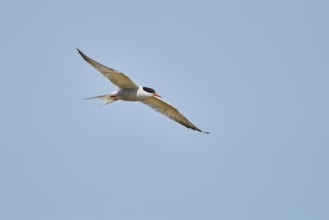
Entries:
{"x":130,"y":91}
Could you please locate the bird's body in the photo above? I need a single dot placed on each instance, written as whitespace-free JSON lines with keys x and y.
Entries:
{"x":132,"y":94}
{"x":125,"y":94}
{"x":129,"y":91}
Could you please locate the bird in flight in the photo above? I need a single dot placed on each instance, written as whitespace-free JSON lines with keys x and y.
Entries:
{"x":129,"y":91}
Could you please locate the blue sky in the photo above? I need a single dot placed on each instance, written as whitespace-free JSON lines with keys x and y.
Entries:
{"x":253,"y":73}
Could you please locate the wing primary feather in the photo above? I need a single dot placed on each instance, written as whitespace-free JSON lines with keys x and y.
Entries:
{"x":117,"y":78}
{"x":171,"y":112}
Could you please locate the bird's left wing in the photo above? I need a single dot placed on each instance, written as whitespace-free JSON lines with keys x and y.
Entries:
{"x":119,"y":79}
{"x":170,"y":111}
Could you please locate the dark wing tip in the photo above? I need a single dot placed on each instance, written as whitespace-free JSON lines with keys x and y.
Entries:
{"x":89,"y":60}
{"x":82,"y":54}
{"x":205,"y":132}
{"x":197,"y":129}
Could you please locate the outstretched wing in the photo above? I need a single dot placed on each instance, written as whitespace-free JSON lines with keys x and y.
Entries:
{"x":119,"y":79}
{"x":170,"y":111}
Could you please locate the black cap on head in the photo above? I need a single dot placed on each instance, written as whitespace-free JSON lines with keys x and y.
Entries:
{"x":149,"y":90}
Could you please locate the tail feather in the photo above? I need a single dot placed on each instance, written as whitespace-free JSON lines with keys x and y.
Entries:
{"x":106,"y":98}
{"x":96,"y":97}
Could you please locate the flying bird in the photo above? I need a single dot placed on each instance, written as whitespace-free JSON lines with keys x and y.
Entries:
{"x":130,"y":91}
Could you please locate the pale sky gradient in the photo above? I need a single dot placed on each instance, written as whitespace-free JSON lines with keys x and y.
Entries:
{"x":253,"y":73}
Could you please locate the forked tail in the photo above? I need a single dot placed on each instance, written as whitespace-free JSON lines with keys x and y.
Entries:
{"x":106,"y":98}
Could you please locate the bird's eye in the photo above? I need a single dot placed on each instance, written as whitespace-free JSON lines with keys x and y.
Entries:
{"x":149,"y":90}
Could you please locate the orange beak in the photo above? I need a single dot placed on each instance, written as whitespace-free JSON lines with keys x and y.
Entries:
{"x":157,"y":95}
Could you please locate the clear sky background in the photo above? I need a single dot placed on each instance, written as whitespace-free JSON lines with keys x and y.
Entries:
{"x":253,"y":73}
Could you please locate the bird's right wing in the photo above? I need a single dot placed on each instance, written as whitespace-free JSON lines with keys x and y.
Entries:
{"x":119,"y":79}
{"x":170,"y":111}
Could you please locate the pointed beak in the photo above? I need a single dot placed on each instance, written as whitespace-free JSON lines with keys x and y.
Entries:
{"x":157,"y":95}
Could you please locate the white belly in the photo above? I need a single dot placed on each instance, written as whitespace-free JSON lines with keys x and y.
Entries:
{"x":128,"y":94}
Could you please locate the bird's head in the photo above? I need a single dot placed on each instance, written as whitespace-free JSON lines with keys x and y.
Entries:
{"x":151,"y":91}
